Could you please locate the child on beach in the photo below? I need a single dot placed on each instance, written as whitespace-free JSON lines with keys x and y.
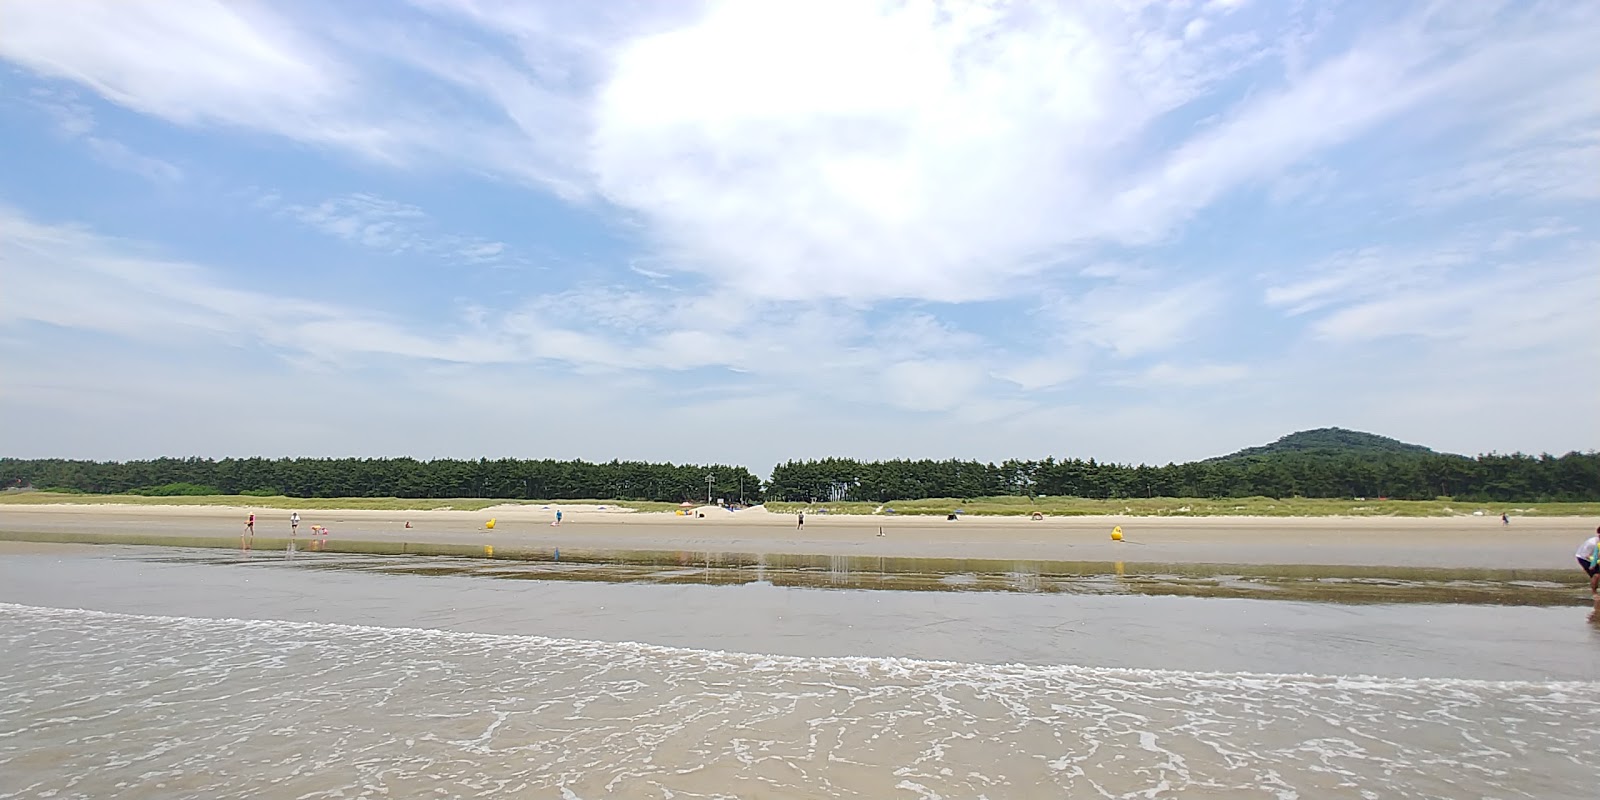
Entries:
{"x":248,"y":538}
{"x":294,"y":524}
{"x":1589,"y":559}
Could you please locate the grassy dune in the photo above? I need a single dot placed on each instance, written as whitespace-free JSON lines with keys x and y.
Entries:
{"x":1191,"y":507}
{"x":302,"y":503}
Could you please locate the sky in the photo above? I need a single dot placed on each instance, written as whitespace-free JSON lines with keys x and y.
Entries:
{"x":751,"y":231}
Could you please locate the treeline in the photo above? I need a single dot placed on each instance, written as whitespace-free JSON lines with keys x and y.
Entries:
{"x":1572,"y":477}
{"x":389,"y":477}
{"x":1503,"y":478}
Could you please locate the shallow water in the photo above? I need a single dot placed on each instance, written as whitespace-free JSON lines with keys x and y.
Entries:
{"x":279,"y":678}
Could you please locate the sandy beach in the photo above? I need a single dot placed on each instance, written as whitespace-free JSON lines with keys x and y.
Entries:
{"x":1454,"y":542}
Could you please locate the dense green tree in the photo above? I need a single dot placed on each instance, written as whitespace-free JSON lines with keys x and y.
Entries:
{"x":1326,"y":464}
{"x":395,"y":477}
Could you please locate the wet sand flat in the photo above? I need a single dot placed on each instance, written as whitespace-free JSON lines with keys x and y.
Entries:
{"x":1454,"y":542}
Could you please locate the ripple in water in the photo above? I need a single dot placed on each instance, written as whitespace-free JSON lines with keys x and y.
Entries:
{"x":96,"y":705}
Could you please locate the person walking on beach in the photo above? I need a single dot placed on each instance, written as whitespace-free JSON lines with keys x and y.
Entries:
{"x":1504,"y":520}
{"x":294,"y":524}
{"x":249,"y":536}
{"x":1589,"y":559}
{"x":558,"y":516}
{"x":800,"y":522}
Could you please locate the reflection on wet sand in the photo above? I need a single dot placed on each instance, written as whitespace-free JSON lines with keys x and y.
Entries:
{"x":1278,"y":582}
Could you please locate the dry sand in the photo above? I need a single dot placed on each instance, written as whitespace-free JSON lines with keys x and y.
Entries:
{"x":1458,"y":542}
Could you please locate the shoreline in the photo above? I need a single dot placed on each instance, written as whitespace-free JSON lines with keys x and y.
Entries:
{"x":1401,"y":543}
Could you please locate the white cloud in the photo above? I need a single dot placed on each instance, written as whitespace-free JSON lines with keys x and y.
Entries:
{"x":939,"y":172}
{"x":991,"y":137}
{"x":934,"y":153}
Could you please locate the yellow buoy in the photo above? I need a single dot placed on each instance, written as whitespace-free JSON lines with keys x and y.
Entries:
{"x":1116,"y":534}
{"x":489,"y":524}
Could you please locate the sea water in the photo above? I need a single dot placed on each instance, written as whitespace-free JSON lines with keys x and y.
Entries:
{"x":269,"y":679}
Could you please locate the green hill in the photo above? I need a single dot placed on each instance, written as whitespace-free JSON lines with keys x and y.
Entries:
{"x":1331,"y":442}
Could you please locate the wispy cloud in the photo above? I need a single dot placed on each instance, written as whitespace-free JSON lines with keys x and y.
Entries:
{"x":74,"y":119}
{"x":1167,"y":374}
{"x":1365,"y":273}
{"x":394,"y":227}
{"x":1550,"y":171}
{"x":72,"y":278}
{"x":1516,"y":306}
{"x":1484,"y":292}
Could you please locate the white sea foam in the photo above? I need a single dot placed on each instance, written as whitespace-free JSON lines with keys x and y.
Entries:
{"x":98,"y":703}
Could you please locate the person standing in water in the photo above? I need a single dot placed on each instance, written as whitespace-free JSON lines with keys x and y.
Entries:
{"x":1589,"y":559}
{"x":249,"y":536}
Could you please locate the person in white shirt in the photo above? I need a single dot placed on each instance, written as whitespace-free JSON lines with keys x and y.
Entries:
{"x":294,"y":524}
{"x":1589,"y":559}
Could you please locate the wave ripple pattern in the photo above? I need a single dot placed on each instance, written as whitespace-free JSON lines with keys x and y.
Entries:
{"x":99,"y":705}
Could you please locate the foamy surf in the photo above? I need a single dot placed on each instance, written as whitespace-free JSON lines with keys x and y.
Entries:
{"x":100,"y":703}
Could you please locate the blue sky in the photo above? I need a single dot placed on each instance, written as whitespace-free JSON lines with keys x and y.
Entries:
{"x":748,"y":231}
